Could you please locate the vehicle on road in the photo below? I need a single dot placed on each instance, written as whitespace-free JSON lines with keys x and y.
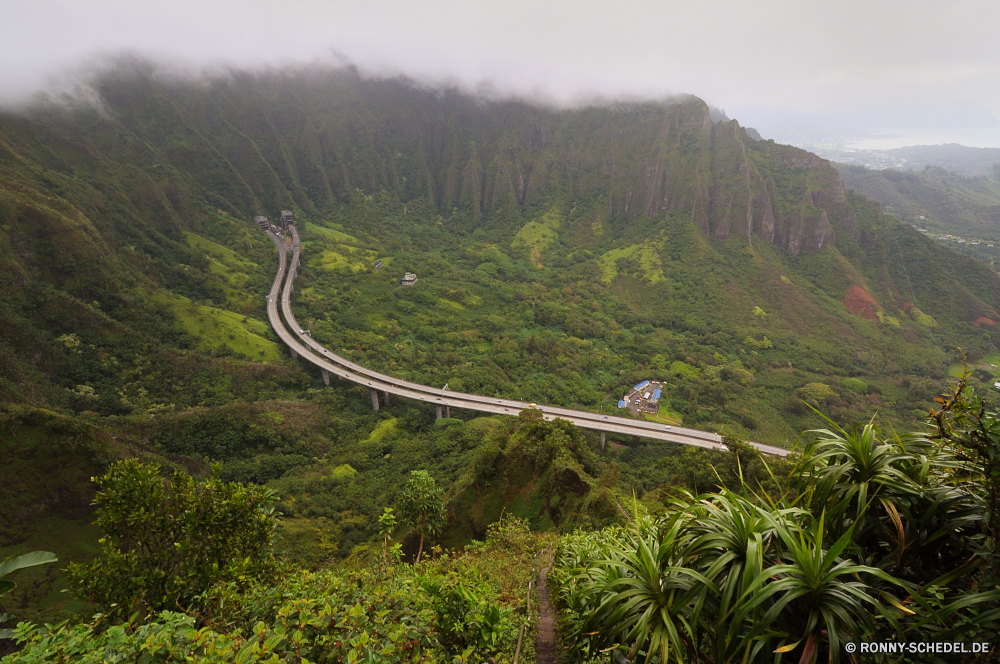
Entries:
{"x":393,"y":385}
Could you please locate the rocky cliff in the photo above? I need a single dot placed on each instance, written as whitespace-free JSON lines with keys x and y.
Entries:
{"x":270,"y":142}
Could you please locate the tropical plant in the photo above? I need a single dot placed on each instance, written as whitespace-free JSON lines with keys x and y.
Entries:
{"x":875,"y":540}
{"x":733,"y":539}
{"x":422,"y":506}
{"x":813,"y":596}
{"x":168,"y":541}
{"x":899,"y":496}
{"x":640,"y":589}
{"x":966,"y":421}
{"x":12,"y":565}
{"x":469,"y":615}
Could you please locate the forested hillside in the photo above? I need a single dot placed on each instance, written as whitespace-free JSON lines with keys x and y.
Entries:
{"x":935,"y":199}
{"x":562,"y":254}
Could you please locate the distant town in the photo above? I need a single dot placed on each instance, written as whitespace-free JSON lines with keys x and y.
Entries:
{"x":948,"y":237}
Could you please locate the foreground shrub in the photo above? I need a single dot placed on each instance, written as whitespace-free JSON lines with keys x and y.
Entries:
{"x":453,"y":608}
{"x":167,"y":541}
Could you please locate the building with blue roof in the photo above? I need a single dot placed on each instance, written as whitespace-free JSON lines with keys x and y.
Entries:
{"x":643,"y":399}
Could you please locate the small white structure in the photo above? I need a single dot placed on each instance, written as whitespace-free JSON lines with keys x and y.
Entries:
{"x":408,"y":279}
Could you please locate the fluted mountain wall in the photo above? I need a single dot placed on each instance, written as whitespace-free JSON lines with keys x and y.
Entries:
{"x":267,"y":142}
{"x":84,"y":190}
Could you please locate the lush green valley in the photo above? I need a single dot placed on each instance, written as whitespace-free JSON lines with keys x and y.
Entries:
{"x":934,"y":199}
{"x":562,"y":256}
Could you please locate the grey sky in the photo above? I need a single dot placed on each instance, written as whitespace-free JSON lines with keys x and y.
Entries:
{"x":763,"y":61}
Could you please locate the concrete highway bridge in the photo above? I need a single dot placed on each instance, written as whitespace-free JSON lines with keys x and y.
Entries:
{"x":303,"y":345}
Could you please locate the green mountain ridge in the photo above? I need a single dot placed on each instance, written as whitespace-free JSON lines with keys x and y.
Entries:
{"x":563,"y":255}
{"x":684,"y":221}
{"x":951,"y":157}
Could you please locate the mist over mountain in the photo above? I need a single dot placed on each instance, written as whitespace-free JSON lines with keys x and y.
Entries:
{"x":625,"y":209}
{"x":962,"y":210}
{"x":564,"y":254}
{"x":634,"y":200}
{"x":951,"y":157}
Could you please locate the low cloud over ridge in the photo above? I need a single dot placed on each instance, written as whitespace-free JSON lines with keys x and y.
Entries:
{"x":751,"y":58}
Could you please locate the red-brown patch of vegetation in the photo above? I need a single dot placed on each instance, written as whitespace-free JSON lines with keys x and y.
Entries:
{"x":983,"y":320}
{"x":860,"y":303}
{"x":906,"y":306}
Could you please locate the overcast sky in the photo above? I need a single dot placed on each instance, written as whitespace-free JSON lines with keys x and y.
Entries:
{"x":764,"y":61}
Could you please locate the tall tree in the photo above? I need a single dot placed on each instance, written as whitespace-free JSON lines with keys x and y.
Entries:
{"x":422,"y":506}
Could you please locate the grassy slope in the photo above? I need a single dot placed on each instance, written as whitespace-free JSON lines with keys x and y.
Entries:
{"x":562,"y":257}
{"x":86,"y":240}
{"x":553,"y":336}
{"x":215,"y":328}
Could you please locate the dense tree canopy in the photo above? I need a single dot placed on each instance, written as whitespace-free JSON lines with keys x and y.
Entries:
{"x":166,"y":541}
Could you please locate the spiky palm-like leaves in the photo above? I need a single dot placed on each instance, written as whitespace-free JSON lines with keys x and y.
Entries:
{"x":734,"y":539}
{"x":723,"y":580}
{"x":897,"y":495}
{"x":638,"y":588}
{"x":656,"y":596}
{"x":815,"y":594}
{"x":865,"y":548}
{"x":845,"y":471}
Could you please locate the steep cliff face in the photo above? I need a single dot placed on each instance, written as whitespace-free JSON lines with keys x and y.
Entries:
{"x":781,"y":194}
{"x":269,"y":142}
{"x":145,"y":168}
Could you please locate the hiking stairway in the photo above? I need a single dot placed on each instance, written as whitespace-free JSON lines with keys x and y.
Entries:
{"x":545,"y":641}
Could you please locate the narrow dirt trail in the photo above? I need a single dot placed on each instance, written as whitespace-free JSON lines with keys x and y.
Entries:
{"x":545,"y":642}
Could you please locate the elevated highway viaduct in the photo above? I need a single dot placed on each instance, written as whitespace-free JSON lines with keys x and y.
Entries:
{"x":303,"y":345}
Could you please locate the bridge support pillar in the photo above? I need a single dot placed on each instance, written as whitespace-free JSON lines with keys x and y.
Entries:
{"x":447,"y":411}
{"x":326,"y":376}
{"x":437,"y":409}
{"x":602,"y":440}
{"x":385,"y":398}
{"x":294,"y":354}
{"x":374,"y":398}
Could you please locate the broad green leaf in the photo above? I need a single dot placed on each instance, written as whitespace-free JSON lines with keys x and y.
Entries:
{"x":26,"y":560}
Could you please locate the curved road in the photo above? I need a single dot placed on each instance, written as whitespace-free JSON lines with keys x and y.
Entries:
{"x":304,"y":345}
